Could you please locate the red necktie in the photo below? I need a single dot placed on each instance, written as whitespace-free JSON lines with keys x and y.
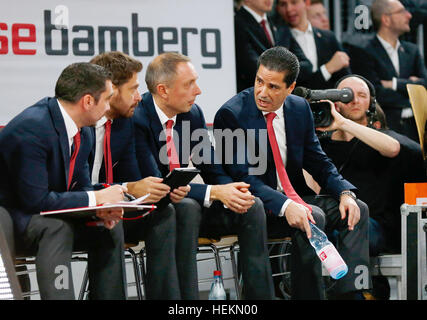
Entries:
{"x":170,"y":146}
{"x":76,"y":142}
{"x":280,"y":167}
{"x":267,"y":34}
{"x":107,"y":153}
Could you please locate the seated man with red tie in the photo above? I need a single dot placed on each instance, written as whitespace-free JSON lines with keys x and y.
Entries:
{"x":169,"y":104}
{"x":113,"y":160}
{"x":271,"y":110}
{"x":43,"y":160}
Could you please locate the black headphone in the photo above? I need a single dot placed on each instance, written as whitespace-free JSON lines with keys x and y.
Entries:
{"x":370,"y":113}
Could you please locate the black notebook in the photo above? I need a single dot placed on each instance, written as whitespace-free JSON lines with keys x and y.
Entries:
{"x":177,"y":178}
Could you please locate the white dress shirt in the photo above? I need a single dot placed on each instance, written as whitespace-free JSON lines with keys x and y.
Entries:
{"x":72,"y":130}
{"x":99,"y":149}
{"x":307,"y":43}
{"x":259,"y":18}
{"x":163,"y":119}
{"x":280,"y":133}
{"x":393,"y":54}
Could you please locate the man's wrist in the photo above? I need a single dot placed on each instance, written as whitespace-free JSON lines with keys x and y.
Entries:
{"x":349,"y":193}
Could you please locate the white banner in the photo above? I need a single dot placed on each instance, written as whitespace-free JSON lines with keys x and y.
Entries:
{"x":38,"y":39}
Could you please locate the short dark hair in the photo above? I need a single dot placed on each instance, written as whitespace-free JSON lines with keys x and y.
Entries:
{"x":121,"y":65}
{"x":280,"y":59}
{"x":79,"y":79}
{"x":163,"y":69}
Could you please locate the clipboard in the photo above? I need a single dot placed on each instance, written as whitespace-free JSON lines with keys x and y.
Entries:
{"x":177,"y":178}
{"x":89,"y":213}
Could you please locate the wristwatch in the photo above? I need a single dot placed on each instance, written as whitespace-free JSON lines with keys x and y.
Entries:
{"x":349,"y":193}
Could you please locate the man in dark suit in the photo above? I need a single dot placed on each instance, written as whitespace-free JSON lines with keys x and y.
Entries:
{"x":169,"y":130}
{"x":251,"y":38}
{"x":44,"y":152}
{"x":270,"y":109}
{"x":391,"y":64}
{"x":115,"y":132}
{"x":321,"y":47}
{"x":255,"y":32}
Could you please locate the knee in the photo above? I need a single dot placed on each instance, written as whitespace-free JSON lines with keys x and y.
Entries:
{"x":319,"y":217}
{"x":58,"y":227}
{"x":364,"y":211}
{"x":188,"y":212}
{"x":256,"y":212}
{"x":168,"y":213}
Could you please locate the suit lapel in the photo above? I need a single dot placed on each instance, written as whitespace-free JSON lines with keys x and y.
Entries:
{"x":383,"y":56}
{"x":320,"y":47}
{"x":404,"y":58}
{"x":59,"y":124}
{"x":255,"y":30}
{"x":290,"y":130}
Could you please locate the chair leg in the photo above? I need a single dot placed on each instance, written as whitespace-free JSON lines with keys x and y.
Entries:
{"x":216,"y":256}
{"x":136,"y":272}
{"x":142,"y":271}
{"x":85,"y":284}
{"x":237,"y":287}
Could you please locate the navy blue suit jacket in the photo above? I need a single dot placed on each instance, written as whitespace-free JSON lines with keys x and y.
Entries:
{"x":150,"y":148}
{"x":123,"y":155}
{"x":373,"y":62}
{"x":303,"y":150}
{"x":34,"y":164}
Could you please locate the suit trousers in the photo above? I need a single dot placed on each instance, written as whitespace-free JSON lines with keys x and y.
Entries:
{"x":158,"y":230}
{"x":217,"y":221}
{"x":353,"y":247}
{"x":54,"y":240}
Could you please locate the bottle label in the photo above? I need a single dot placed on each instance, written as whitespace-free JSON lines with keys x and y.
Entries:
{"x":330,"y":257}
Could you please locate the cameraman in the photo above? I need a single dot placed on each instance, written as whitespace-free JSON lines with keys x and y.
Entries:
{"x":364,"y":156}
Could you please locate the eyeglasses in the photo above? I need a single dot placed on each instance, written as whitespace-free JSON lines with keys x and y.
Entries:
{"x":400,"y":11}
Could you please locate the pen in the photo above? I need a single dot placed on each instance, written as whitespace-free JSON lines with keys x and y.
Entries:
{"x":127,"y":195}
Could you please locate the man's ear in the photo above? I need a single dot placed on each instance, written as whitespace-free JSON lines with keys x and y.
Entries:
{"x":87,"y":102}
{"x":162,"y":90}
{"x":292,"y":86}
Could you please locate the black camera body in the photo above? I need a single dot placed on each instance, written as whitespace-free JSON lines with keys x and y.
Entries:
{"x":322,"y":110}
{"x":321,"y":114}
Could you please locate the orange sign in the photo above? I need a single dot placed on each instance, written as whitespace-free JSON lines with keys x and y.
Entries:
{"x":416,"y":193}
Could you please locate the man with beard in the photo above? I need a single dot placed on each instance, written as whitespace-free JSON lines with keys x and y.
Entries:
{"x":113,"y":160}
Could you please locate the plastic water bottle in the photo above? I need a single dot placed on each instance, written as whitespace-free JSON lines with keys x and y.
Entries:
{"x":217,"y":289}
{"x":327,"y":253}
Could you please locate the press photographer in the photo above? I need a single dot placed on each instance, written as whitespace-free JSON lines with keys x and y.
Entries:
{"x":364,"y":156}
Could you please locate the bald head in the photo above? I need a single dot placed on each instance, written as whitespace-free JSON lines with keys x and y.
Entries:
{"x":352,"y":81}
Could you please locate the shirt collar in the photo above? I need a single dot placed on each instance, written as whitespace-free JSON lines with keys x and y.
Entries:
{"x":257,"y":17}
{"x":296,"y":32}
{"x":70,"y":125}
{"x":387,"y":45}
{"x":162,"y":117}
{"x":278,"y":112}
{"x":101,"y":122}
